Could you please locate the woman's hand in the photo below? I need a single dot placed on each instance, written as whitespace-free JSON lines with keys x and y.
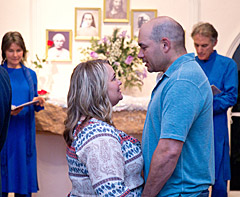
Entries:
{"x":40,"y":99}
{"x":16,"y":111}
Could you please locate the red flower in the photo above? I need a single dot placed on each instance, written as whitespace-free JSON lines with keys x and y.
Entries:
{"x":49,"y":43}
{"x":42,"y":92}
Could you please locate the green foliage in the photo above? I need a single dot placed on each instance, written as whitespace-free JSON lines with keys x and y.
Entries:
{"x":38,"y":63}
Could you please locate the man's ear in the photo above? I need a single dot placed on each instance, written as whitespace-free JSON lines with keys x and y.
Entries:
{"x":166,"y":44}
{"x":215,"y":43}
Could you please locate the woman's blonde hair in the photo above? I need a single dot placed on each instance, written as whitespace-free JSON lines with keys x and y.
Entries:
{"x":87,"y":95}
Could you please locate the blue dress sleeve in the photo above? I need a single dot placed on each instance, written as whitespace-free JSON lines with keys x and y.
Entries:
{"x":228,"y":96}
{"x":35,"y":82}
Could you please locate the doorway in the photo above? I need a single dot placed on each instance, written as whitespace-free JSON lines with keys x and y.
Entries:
{"x":235,"y":133}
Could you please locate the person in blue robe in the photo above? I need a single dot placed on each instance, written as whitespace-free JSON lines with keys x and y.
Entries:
{"x":5,"y":109}
{"x":18,"y":157}
{"x":223,"y":76}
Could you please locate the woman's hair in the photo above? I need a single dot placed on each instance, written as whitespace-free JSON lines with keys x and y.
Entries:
{"x":8,"y":39}
{"x":205,"y":29}
{"x":93,"y":21}
{"x":87,"y":95}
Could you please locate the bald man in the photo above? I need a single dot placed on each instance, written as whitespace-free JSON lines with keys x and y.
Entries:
{"x":177,"y":142}
{"x":58,"y":52}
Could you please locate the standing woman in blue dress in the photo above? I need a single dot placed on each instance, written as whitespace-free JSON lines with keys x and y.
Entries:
{"x":19,"y":167}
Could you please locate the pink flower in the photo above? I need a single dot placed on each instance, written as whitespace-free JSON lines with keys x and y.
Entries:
{"x":144,"y":73}
{"x":123,"y":34}
{"x":129,"y":60}
{"x":94,"y":55}
{"x":100,"y":42}
{"x":105,"y":39}
{"x":116,"y":63}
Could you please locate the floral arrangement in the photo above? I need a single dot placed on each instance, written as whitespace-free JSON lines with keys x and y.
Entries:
{"x":38,"y":62}
{"x":121,"y":52}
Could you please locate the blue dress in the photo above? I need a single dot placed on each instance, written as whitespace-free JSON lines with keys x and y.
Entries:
{"x":221,"y":72}
{"x":19,"y":168}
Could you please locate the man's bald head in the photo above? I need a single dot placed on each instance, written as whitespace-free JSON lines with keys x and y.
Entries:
{"x":166,"y":27}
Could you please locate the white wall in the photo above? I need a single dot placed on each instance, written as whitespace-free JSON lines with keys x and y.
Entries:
{"x":16,"y":15}
{"x":224,"y":16}
{"x":33,"y":17}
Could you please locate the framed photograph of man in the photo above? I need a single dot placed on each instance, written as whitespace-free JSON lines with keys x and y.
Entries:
{"x":140,"y":16}
{"x":58,"y":45}
{"x":87,"y":23}
{"x":116,"y":11}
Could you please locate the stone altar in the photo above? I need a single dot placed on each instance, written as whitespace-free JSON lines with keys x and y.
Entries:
{"x":51,"y":120}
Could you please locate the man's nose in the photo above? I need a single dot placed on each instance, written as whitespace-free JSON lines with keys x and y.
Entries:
{"x":140,"y":54}
{"x":119,"y":82}
{"x":199,"y":49}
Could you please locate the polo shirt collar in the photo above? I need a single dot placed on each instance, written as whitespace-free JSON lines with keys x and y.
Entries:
{"x":177,"y":63}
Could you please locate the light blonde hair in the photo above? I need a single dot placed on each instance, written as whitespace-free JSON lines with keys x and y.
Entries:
{"x":87,"y":95}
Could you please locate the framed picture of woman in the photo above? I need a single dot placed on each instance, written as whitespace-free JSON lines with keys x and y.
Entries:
{"x":87,"y":23}
{"x":116,"y":11}
{"x":140,"y":16}
{"x":58,"y":45}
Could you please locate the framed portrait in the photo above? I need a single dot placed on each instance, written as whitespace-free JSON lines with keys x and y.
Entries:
{"x":87,"y":23}
{"x":138,"y":17}
{"x":116,"y":11}
{"x":59,"y":45}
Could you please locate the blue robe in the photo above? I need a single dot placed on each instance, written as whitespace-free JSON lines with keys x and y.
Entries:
{"x":221,"y":72}
{"x":19,"y":168}
{"x":5,"y":108}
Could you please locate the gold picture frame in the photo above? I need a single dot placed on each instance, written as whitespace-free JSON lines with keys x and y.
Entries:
{"x":113,"y":15}
{"x":59,"y":45}
{"x":87,"y":23}
{"x":140,"y":16}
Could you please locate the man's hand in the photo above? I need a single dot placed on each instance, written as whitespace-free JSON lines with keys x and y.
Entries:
{"x":163,"y":164}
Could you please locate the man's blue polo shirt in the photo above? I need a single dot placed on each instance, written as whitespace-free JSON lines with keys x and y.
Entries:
{"x":181,"y":109}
